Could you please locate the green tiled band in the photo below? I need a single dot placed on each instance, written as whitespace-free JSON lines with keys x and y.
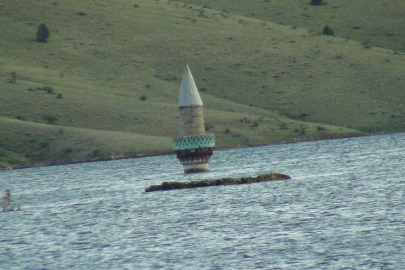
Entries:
{"x":193,"y":141}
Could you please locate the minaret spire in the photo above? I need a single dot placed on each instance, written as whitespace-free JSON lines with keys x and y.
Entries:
{"x":194,"y":148}
{"x":188,"y":95}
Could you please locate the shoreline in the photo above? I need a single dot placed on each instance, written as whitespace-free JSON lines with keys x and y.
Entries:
{"x":324,"y":137}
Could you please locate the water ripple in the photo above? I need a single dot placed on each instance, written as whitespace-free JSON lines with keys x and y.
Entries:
{"x":344,"y":208}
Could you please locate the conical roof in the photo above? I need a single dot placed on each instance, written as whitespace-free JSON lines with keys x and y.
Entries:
{"x":188,"y":91}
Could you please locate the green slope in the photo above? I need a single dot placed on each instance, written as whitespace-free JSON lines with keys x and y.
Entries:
{"x":376,"y":21}
{"x":41,"y":144}
{"x":260,"y":81}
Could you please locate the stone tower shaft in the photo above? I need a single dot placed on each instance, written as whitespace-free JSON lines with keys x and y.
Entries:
{"x":192,"y":120}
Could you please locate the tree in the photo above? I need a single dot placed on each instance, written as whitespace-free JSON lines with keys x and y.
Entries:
{"x":327,"y":31}
{"x":13,"y":78}
{"x":43,"y":33}
{"x":50,"y":119}
{"x":316,"y":2}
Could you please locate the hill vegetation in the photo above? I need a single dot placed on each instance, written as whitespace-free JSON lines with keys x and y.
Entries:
{"x":105,"y":84}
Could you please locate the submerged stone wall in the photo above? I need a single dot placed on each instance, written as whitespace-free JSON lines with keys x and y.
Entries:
{"x":224,"y":181}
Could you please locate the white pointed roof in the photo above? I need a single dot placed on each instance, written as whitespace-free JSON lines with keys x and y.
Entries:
{"x":188,"y":91}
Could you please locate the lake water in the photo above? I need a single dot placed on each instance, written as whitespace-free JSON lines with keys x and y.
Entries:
{"x":344,"y":208}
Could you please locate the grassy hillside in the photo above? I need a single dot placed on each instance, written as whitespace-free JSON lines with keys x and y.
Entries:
{"x":376,"y":22}
{"x":44,"y":144}
{"x":109,"y":78}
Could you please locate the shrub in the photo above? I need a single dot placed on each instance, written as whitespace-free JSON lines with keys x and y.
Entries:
{"x":366,"y":44}
{"x":327,"y":31}
{"x":143,"y":97}
{"x":59,"y":96}
{"x":13,"y":78}
{"x":320,"y":128}
{"x":245,"y":120}
{"x":68,"y":150}
{"x":48,"y":89}
{"x":98,"y":153}
{"x":50,"y":119}
{"x":283,"y":125}
{"x":44,"y":145}
{"x":201,"y":12}
{"x":316,"y":2}
{"x":43,"y":33}
{"x":43,"y":155}
{"x":3,"y":153}
{"x":208,"y":126}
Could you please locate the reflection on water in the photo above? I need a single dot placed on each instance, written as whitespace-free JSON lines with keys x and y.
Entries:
{"x":344,"y":207}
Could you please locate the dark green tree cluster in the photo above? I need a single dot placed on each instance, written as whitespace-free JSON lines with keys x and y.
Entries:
{"x":328,"y":31}
{"x":43,"y":33}
{"x":316,"y":2}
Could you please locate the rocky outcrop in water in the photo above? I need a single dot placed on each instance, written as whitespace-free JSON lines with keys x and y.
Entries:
{"x":7,"y":203}
{"x":219,"y":182}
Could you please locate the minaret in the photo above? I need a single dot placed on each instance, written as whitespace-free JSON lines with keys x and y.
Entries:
{"x":194,"y":148}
